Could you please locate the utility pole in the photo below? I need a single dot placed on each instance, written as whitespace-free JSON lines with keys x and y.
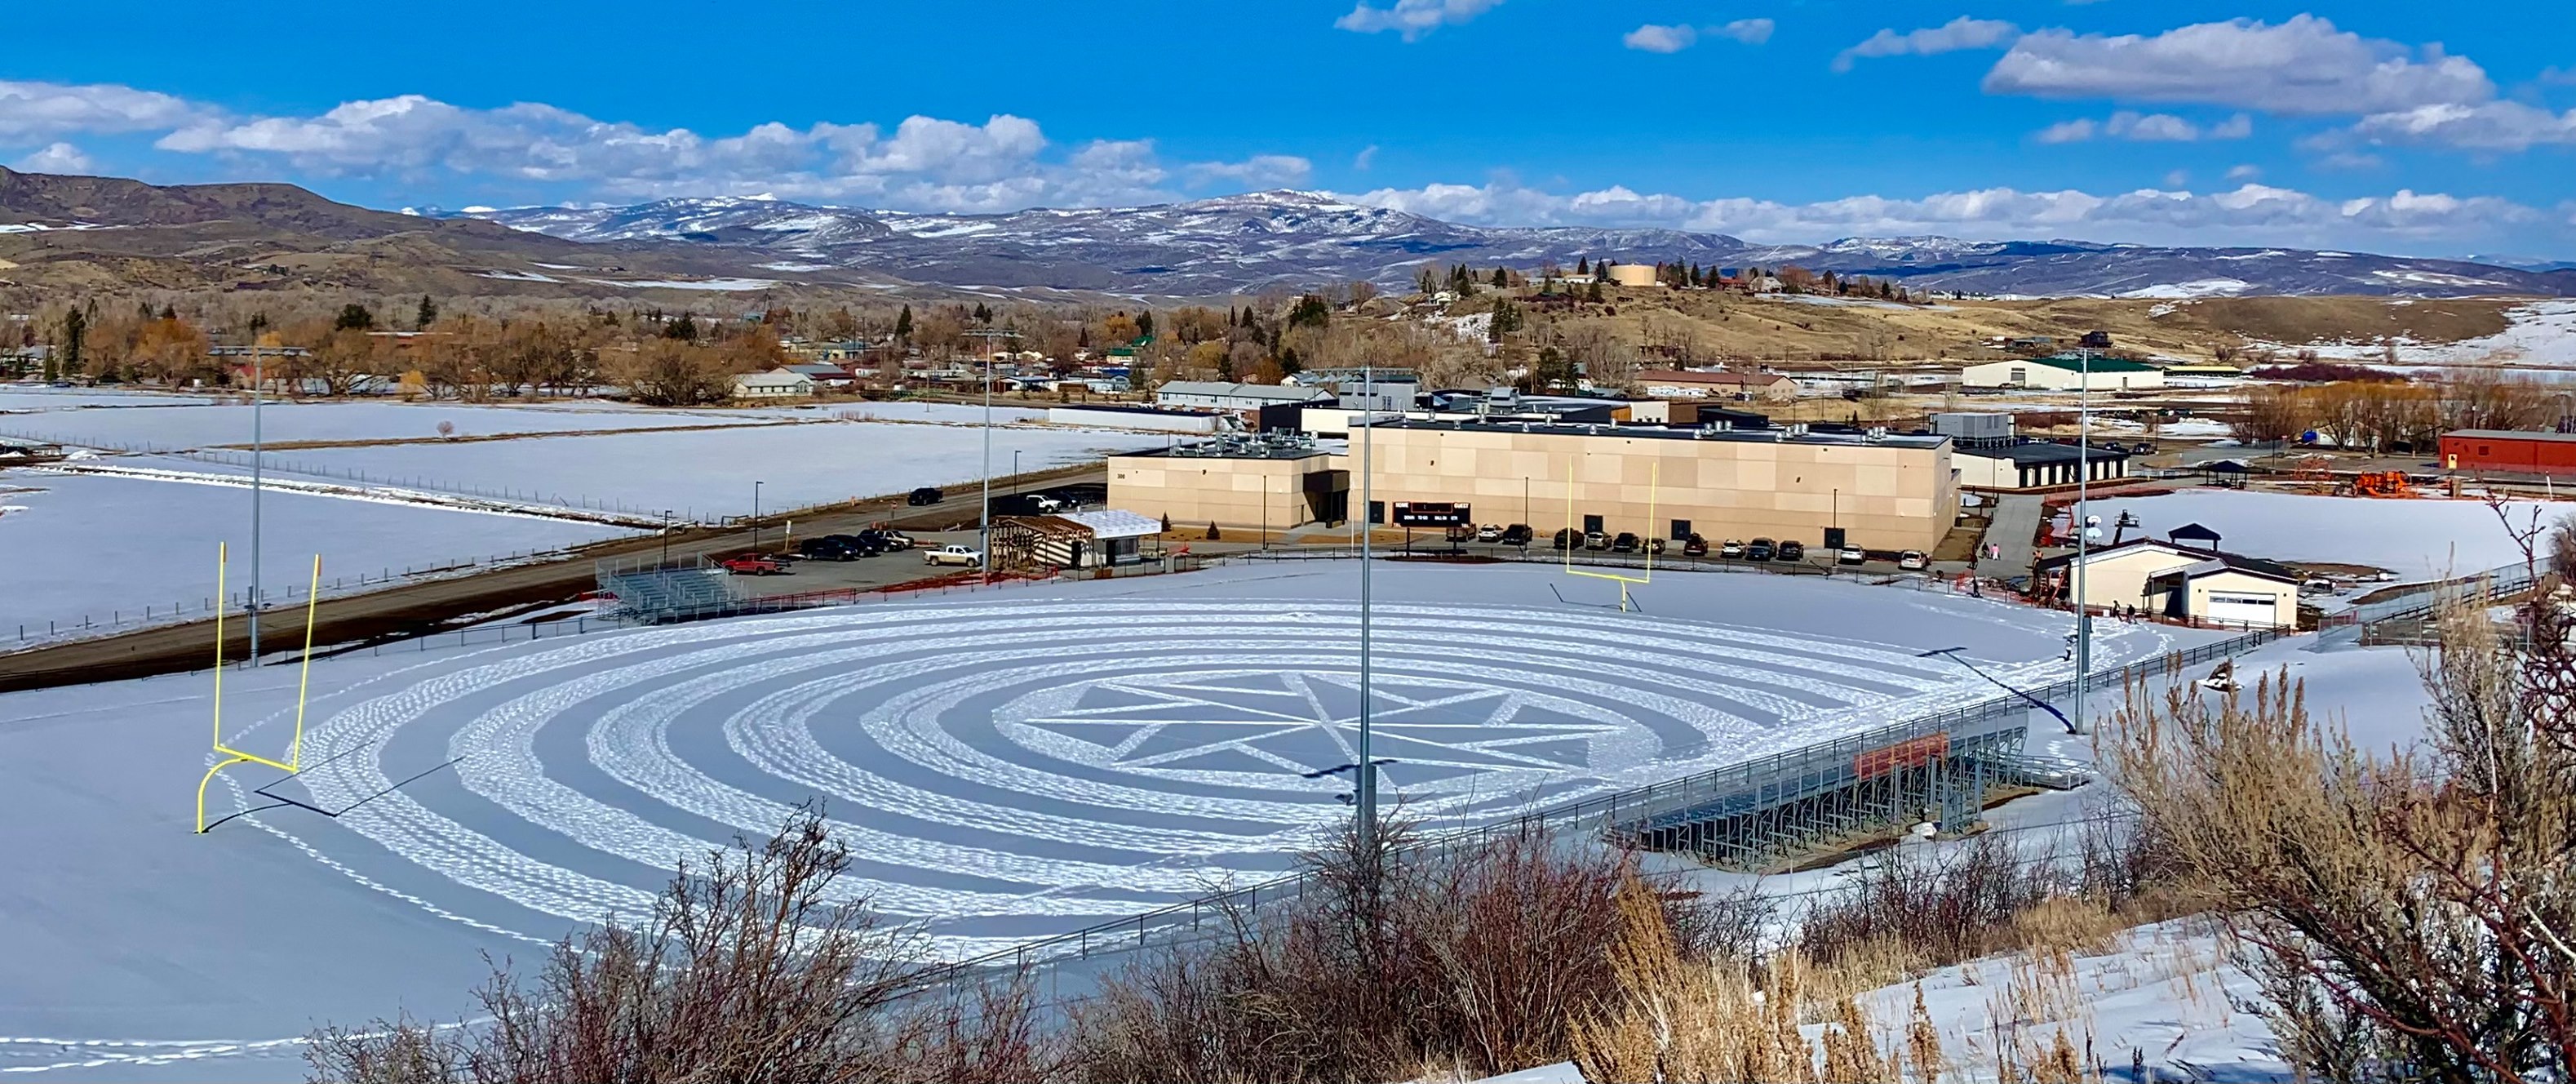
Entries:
{"x":984,"y":518}
{"x":1365,"y":777}
{"x":755,"y":519}
{"x":2083,"y":533}
{"x":258,"y":377}
{"x":666,"y":538}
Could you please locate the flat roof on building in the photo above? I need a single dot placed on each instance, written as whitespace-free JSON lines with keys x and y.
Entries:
{"x":2099,"y":365}
{"x":1740,"y":436}
{"x":2512,"y":434}
{"x":1274,"y":392}
{"x":2042,"y":452}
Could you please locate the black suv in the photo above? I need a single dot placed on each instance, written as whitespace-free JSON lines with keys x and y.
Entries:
{"x":1793,"y":551}
{"x":925,"y":495}
{"x":830,"y":548}
{"x":1625,"y":543}
{"x":1569,"y":539}
{"x":1695,"y":546}
{"x":1758,"y":550}
{"x":1518,"y":534}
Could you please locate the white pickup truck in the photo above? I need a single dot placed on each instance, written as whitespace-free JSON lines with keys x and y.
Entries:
{"x":954,"y":554}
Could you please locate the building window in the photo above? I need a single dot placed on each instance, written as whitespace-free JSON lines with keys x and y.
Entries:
{"x":1681,"y":530}
{"x":1592,"y":525}
{"x":2020,"y":376}
{"x":1377,"y":513}
{"x":2482,"y":449}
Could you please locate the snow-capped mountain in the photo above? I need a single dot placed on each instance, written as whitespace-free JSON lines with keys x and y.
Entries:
{"x":1295,"y":240}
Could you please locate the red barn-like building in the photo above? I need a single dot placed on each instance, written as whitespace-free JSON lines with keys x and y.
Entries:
{"x":2509,"y":451}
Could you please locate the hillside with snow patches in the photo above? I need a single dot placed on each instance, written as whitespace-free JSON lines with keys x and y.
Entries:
{"x":1293,"y":240}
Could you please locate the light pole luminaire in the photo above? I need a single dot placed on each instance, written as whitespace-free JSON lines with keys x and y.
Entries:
{"x":2083,"y":528}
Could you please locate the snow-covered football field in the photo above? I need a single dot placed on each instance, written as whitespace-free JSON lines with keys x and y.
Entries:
{"x":1005,"y":765}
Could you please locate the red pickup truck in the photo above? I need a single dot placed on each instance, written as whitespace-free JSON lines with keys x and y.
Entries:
{"x":752,"y":565}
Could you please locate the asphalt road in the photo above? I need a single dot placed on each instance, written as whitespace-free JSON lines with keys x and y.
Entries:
{"x":416,"y":608}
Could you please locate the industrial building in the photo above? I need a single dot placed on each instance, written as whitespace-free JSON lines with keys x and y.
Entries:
{"x":2037,"y":465}
{"x":1096,"y":538}
{"x":2509,"y":451}
{"x":2064,"y":373}
{"x":1879,"y":491}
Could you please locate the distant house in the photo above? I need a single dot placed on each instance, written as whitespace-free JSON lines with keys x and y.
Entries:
{"x":780,"y":383}
{"x":825,"y":375}
{"x":2095,"y":340}
{"x":2035,"y":465}
{"x":1688,"y":384}
{"x":2063,"y":373}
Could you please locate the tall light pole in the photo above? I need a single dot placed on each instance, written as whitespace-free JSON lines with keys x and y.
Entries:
{"x":1365,"y":775}
{"x":984,"y":518}
{"x":755,"y":519}
{"x":666,"y":538}
{"x":258,"y":377}
{"x":2083,"y":532}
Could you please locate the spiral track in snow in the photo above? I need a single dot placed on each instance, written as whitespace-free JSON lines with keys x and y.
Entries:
{"x":1005,"y":769}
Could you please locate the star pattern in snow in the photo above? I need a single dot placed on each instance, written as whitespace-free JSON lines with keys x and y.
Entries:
{"x":1297,"y":722}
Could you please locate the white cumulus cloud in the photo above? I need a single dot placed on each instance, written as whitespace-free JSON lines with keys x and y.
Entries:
{"x":2300,"y":66}
{"x":1950,"y":37}
{"x":1258,"y":171}
{"x":1413,"y":18}
{"x":2146,"y":128}
{"x":55,"y":158}
{"x":1652,"y":38}
{"x":2496,"y":126}
{"x":1748,"y":31}
{"x":35,"y":110}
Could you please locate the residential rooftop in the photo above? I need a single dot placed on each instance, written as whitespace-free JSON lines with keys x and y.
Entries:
{"x":1641,"y":432}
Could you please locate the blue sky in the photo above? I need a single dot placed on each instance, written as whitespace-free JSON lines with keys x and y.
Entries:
{"x":2401,"y":127}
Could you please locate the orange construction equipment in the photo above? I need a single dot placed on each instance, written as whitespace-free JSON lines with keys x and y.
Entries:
{"x":2390,"y":483}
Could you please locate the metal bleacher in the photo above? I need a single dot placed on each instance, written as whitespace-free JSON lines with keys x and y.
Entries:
{"x":651,"y":592}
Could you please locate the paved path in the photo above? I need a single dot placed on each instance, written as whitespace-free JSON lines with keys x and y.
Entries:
{"x":2009,"y":536}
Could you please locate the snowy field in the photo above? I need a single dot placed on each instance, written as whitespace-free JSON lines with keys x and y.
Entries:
{"x":709,"y":473}
{"x":2415,"y":539}
{"x":1005,"y":765}
{"x":2542,"y":335}
{"x":173,"y":423}
{"x":105,"y":548}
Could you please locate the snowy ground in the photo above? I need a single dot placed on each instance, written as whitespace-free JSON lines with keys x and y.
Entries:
{"x":104,"y":549}
{"x":2415,"y":539}
{"x":1005,"y":765}
{"x":709,"y":473}
{"x":2542,"y":335}
{"x":171,"y":422}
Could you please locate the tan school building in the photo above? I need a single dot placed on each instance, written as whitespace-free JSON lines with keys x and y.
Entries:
{"x":1894,"y":492}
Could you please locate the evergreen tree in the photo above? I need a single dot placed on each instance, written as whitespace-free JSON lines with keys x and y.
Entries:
{"x":685,"y":329}
{"x":1425,"y":281}
{"x":1289,"y":363}
{"x":1581,"y":266}
{"x":1502,"y":279}
{"x":169,"y":312}
{"x":1310,"y":309}
{"x":258,"y":323}
{"x":428,"y":314}
{"x":1144,"y":325}
{"x":903,"y":324}
{"x":983,"y":315}
{"x":1593,"y":294}
{"x":354,"y":317}
{"x":75,"y":338}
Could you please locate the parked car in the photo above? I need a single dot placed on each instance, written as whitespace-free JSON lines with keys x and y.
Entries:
{"x":1491,"y":532}
{"x":1760,"y":549}
{"x":1518,"y":534}
{"x":954,"y":553}
{"x":830,"y":548}
{"x":1595,"y":540}
{"x":752,"y":564}
{"x":1913,"y":561}
{"x":1732,"y":549}
{"x":1461,"y":532}
{"x":894,"y":540}
{"x":1567,"y":538}
{"x":1792,"y":551}
{"x":1851,"y":555}
{"x":867,"y":543}
{"x":1655,"y":545}
{"x":925,"y":495}
{"x":1626,"y":542}
{"x":1695,"y":546}
{"x":1047,"y":505}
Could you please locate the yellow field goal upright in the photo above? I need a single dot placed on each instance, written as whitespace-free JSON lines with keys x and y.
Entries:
{"x":294,"y":762}
{"x":1654,"y":477}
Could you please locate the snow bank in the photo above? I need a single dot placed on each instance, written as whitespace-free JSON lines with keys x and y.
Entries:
{"x":2413,"y":538}
{"x":183,"y":424}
